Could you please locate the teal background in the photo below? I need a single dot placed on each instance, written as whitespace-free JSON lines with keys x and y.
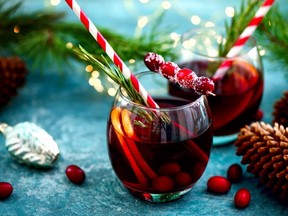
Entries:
{"x":75,"y":115}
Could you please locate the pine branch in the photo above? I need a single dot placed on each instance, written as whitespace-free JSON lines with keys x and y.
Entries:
{"x":44,"y":34}
{"x":272,"y":34}
{"x":238,"y":23}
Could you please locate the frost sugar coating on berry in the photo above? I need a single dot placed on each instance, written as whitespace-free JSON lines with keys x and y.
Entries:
{"x":169,"y":71}
{"x":185,"y":78}
{"x":153,"y":61}
{"x":204,"y":85}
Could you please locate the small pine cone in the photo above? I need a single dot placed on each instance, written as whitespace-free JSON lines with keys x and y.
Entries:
{"x":265,"y":149}
{"x":280,"y":112}
{"x":12,"y":76}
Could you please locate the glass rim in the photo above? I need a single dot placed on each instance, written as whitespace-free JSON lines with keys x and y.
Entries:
{"x":160,"y":109}
{"x":198,"y":29}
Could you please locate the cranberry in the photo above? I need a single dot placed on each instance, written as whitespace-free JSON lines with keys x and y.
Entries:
{"x":186,"y":78}
{"x":169,"y":169}
{"x":75,"y":174}
{"x":204,"y":85}
{"x":168,"y":70}
{"x":218,"y":185}
{"x":242,"y":198}
{"x":259,"y":115}
{"x":153,"y":61}
{"x":163,"y":183}
{"x":183,"y":179}
{"x":234,"y":173}
{"x":6,"y":190}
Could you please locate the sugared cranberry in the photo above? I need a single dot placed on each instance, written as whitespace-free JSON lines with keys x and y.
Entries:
{"x":75,"y":174}
{"x":163,"y":183}
{"x":183,"y":179}
{"x":168,"y":70}
{"x":234,"y":173}
{"x":218,"y":185}
{"x":153,"y":61}
{"x":204,"y":85}
{"x":242,"y":198}
{"x":186,"y":77}
{"x":6,"y":190}
{"x":169,"y":169}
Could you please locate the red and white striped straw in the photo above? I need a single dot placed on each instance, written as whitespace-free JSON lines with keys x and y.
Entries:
{"x":246,"y":34}
{"x":111,"y":53}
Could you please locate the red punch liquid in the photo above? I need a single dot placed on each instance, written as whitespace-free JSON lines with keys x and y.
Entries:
{"x":238,"y":95}
{"x":176,"y":158}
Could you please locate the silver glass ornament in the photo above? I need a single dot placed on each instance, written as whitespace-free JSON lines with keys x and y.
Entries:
{"x":29,"y":144}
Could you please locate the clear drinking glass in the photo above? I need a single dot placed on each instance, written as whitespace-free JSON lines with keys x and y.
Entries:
{"x":238,"y":93}
{"x":159,"y":154}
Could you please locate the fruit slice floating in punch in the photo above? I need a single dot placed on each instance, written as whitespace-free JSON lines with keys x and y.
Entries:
{"x":128,"y":129}
{"x":116,"y":122}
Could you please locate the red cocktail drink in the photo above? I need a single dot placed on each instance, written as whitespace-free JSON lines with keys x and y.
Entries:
{"x":159,"y":154}
{"x":238,"y":95}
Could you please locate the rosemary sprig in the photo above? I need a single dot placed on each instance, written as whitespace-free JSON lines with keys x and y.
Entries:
{"x":114,"y":73}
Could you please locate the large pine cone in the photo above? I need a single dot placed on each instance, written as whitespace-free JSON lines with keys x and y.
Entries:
{"x":12,"y":76}
{"x":280,"y":112}
{"x":265,"y":149}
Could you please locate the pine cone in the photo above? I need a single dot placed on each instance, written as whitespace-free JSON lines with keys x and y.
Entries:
{"x":280,"y":112}
{"x":12,"y":76}
{"x":265,"y":149}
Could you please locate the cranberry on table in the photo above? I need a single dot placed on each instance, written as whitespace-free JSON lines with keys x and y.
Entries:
{"x":75,"y":174}
{"x":234,"y":173}
{"x":218,"y":185}
{"x":242,"y":198}
{"x":6,"y":190}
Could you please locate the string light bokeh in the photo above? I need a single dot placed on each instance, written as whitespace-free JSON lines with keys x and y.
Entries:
{"x":107,"y":85}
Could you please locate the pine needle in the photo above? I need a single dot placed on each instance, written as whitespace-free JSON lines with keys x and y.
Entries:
{"x":272,"y":35}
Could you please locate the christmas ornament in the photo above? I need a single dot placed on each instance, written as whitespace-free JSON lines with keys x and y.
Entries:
{"x":12,"y":76}
{"x":265,"y":149}
{"x":280,"y":112}
{"x":30,"y":144}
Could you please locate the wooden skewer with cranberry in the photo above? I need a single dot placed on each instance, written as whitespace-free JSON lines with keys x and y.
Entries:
{"x":185,"y":77}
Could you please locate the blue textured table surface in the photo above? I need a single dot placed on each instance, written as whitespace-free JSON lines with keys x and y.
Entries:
{"x":75,"y":115}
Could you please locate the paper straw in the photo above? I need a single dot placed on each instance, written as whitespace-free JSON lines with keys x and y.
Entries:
{"x":245,"y":35}
{"x":111,"y":53}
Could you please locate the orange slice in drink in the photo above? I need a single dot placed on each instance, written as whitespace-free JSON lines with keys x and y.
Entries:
{"x":116,"y":122}
{"x":248,"y":71}
{"x":127,"y":124}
